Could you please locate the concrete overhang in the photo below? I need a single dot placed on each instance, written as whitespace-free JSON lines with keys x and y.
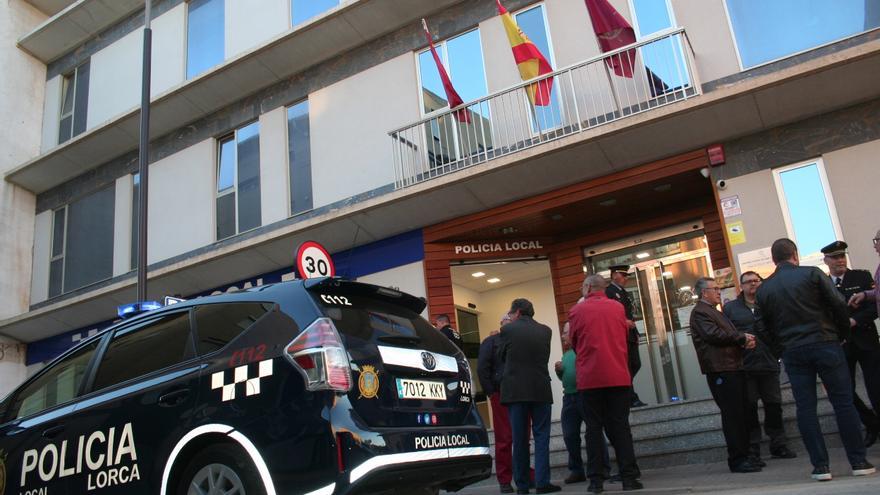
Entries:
{"x":730,"y":111}
{"x":50,"y":7}
{"x":72,"y":25}
{"x":351,"y":24}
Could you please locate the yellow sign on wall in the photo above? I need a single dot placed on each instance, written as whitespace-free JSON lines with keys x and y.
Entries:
{"x":736,"y":233}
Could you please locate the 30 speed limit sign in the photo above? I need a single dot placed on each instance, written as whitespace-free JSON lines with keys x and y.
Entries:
{"x":313,"y":261}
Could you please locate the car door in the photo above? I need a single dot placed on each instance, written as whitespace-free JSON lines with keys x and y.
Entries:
{"x":36,"y":452}
{"x":139,"y":404}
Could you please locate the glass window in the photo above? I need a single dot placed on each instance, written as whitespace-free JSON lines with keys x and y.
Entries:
{"x":204,"y":36}
{"x":303,"y":10}
{"x":137,"y":351}
{"x":218,"y":324}
{"x":59,"y":384}
{"x":663,"y":59}
{"x":135,"y":208}
{"x":767,"y":31}
{"x":74,"y":103}
{"x":808,"y":209}
{"x":300,"y":163}
{"x":531,"y":22}
{"x":238,"y":182}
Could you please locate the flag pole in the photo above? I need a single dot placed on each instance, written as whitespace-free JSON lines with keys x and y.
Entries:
{"x":143,"y":156}
{"x":611,"y":83}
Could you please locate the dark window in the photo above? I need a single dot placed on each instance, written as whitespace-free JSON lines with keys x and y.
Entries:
{"x":138,"y":351}
{"x":204,"y":36}
{"x":299,"y":147}
{"x":74,"y":103}
{"x":219,"y":324}
{"x":238,"y":182}
{"x":57,"y":385}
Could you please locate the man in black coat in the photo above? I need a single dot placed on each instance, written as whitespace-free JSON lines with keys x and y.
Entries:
{"x":490,"y":370}
{"x":863,"y":346}
{"x":761,"y":365}
{"x":443,"y":324}
{"x":809,"y":318}
{"x":525,"y":390}
{"x":617,"y":292}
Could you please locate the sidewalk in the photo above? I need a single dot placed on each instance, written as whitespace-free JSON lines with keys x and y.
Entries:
{"x":781,"y":476}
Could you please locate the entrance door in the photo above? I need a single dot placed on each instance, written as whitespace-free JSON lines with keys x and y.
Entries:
{"x":662,"y":276}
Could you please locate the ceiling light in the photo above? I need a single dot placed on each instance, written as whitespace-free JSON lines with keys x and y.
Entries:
{"x":642,"y":256}
{"x":608,"y":202}
{"x":493,"y":280}
{"x":478,"y":274}
{"x":508,"y":230}
{"x":684,"y":288}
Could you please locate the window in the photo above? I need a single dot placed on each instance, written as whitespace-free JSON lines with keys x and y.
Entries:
{"x":532,"y":22}
{"x":74,"y":103}
{"x":204,"y":36}
{"x":135,"y":209}
{"x":59,"y":384}
{"x":447,"y":138}
{"x":300,"y":157}
{"x":218,"y":324}
{"x":238,"y":182}
{"x":808,"y":208}
{"x":303,"y":10}
{"x":137,"y":351}
{"x":767,"y":31}
{"x":82,"y":242}
{"x":663,"y":59}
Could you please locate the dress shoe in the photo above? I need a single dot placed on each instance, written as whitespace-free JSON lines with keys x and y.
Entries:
{"x":575,"y":478}
{"x":614,"y":478}
{"x":595,"y":487}
{"x":745,"y":467}
{"x":632,"y":485}
{"x":871,"y":436}
{"x":551,"y":488}
{"x":821,"y":473}
{"x":782,"y":453}
{"x":756,"y":460}
{"x":863,"y":469}
{"x":522,"y":491}
{"x":505,"y":488}
{"x":637,"y":403}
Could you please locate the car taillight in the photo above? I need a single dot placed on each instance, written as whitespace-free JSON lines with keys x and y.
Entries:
{"x":319,"y":355}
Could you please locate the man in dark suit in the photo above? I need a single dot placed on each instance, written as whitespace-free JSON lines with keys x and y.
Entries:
{"x":719,"y":347}
{"x":809,"y":318}
{"x":443,"y":324}
{"x":617,"y":292}
{"x":525,"y":390}
{"x":863,"y":346}
{"x":490,"y":372}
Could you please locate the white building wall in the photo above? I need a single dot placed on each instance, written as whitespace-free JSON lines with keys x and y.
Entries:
{"x":115,"y":73}
{"x":708,"y":30}
{"x":122,"y":225}
{"x":406,"y":278}
{"x":274,"y":177}
{"x":51,"y":113}
{"x":181,"y":202}
{"x":349,"y":121}
{"x":41,"y":254}
{"x":251,"y":23}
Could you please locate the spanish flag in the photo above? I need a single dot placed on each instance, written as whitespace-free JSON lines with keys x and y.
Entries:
{"x":529,"y":60}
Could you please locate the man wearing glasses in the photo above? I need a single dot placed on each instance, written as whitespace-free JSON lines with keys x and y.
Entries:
{"x":862,"y":347}
{"x":809,"y":318}
{"x":719,"y":347}
{"x":761,"y":365}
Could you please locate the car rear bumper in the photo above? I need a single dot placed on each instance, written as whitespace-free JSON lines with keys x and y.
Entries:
{"x":402,"y":473}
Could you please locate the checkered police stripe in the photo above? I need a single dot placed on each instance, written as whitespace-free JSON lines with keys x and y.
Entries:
{"x":240,"y":374}
{"x":465,"y":388}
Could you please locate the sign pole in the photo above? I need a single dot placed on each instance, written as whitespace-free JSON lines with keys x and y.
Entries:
{"x":143,"y":157}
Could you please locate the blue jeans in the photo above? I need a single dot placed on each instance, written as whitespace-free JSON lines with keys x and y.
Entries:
{"x":519,"y":424}
{"x":572,"y":421}
{"x":827,"y":360}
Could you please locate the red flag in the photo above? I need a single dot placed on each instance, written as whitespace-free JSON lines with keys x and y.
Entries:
{"x":529,"y":60}
{"x":451,"y":94}
{"x":613,"y":32}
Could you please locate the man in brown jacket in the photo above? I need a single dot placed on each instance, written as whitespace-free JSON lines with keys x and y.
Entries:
{"x":719,"y":348}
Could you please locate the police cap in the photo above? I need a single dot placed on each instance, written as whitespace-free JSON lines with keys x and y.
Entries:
{"x":836,"y":248}
{"x":624,"y":269}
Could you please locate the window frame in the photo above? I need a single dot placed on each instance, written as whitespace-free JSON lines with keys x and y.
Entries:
{"x":290,"y":14}
{"x":63,"y":255}
{"x":739,"y":60}
{"x":557,"y":94}
{"x":135,"y":217}
{"x":289,"y":188}
{"x":186,"y":77}
{"x":233,"y":135}
{"x":635,"y":19}
{"x":444,"y":58}
{"x":71,"y":78}
{"x":826,"y":191}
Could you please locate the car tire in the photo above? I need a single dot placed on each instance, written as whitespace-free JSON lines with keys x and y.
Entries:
{"x":221,"y":469}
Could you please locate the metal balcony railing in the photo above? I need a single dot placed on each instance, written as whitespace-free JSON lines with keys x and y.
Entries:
{"x":634,"y":79}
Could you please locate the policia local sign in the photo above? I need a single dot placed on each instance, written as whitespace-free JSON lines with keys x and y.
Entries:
{"x":498,"y":248}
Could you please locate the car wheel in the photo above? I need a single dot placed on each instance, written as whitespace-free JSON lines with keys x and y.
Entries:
{"x":221,"y":469}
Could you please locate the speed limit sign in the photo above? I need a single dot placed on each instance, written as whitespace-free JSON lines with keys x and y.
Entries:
{"x":313,"y":261}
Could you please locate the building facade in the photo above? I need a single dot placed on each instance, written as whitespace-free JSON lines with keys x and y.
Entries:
{"x":685,"y":154}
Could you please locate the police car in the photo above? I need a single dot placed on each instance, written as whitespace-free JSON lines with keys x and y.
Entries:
{"x":322,"y":386}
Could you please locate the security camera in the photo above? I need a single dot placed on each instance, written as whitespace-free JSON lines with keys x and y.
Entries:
{"x":704,"y":172}
{"x":721,"y":184}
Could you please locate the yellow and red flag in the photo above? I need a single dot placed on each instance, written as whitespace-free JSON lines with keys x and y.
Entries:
{"x":451,"y":94}
{"x":529,"y":60}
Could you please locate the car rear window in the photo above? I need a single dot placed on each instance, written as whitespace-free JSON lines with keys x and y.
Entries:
{"x":219,"y":324}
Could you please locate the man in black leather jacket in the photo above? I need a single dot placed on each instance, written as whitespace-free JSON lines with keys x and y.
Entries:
{"x":761,"y":365}
{"x":809,"y":318}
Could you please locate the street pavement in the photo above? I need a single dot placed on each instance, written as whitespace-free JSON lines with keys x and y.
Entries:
{"x":780,"y":477}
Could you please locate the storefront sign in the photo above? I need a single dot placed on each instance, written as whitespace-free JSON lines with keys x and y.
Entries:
{"x":500,"y":247}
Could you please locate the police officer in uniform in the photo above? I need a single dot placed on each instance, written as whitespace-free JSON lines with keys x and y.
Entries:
{"x":443,"y":324}
{"x":616,"y":291}
{"x":863,"y":345}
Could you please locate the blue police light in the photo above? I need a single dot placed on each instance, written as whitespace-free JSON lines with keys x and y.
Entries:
{"x":133,"y":309}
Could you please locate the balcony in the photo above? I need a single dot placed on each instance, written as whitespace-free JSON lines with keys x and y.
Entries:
{"x":615,"y":85}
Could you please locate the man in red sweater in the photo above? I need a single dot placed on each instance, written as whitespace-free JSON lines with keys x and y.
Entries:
{"x":598,"y":331}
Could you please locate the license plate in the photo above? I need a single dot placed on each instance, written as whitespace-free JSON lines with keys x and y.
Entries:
{"x":420,"y":389}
